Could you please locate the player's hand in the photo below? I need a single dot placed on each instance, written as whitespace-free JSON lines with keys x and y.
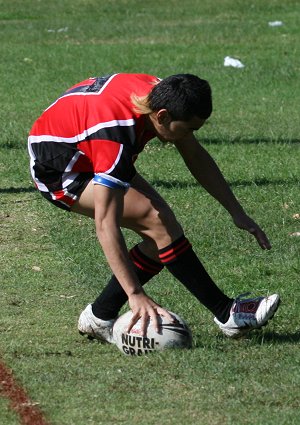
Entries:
{"x":246,"y":223}
{"x":144,"y":308}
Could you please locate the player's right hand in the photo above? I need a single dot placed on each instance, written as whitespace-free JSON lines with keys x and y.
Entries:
{"x":145,"y":309}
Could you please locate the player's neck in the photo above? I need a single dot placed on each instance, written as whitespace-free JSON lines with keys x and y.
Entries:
{"x":149,"y":122}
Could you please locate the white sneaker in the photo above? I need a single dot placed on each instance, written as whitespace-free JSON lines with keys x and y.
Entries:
{"x":90,"y":325}
{"x":248,"y":314}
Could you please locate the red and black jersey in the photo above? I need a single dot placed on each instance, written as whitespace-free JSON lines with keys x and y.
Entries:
{"x":91,"y":129}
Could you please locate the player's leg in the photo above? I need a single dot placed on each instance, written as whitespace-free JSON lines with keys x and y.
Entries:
{"x":97,"y":318}
{"x":138,"y":212}
{"x":146,"y":213}
{"x":138,"y":215}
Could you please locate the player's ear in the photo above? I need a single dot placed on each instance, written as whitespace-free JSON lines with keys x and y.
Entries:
{"x":163,"y":117}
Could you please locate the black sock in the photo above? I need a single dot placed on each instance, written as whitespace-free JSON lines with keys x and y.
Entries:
{"x":183,"y":263}
{"x":108,"y":304}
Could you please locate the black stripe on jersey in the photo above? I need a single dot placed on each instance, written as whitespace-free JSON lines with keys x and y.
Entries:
{"x":124,"y":135}
{"x":54,"y":155}
{"x":124,"y":170}
{"x":52,"y":159}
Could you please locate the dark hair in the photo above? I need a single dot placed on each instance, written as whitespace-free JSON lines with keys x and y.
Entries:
{"x":183,"y":95}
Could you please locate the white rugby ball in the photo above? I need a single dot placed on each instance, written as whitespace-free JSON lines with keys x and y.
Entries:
{"x":170,"y":335}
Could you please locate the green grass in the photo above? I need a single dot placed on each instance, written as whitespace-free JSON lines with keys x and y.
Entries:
{"x":51,"y":265}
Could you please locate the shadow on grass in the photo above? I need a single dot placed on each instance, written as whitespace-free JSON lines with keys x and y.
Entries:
{"x":255,"y":338}
{"x":262,"y":338}
{"x":254,"y":141}
{"x":277,"y":338}
{"x":17,"y":189}
{"x":175,"y":184}
{"x":15,"y":144}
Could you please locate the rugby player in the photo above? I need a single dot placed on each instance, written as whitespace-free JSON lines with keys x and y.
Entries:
{"x":83,"y":150}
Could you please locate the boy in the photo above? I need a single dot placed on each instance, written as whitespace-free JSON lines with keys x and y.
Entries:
{"x":83,"y":149}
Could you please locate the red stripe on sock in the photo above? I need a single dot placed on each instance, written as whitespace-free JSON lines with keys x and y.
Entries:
{"x":174,"y":248}
{"x":175,"y":255}
{"x":145,"y":269}
{"x":175,"y":251}
{"x":142,"y":263}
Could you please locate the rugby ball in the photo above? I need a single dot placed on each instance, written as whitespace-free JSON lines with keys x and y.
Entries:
{"x":170,"y":335}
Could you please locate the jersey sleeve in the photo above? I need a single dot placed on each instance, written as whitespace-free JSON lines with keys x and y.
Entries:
{"x":109,"y":181}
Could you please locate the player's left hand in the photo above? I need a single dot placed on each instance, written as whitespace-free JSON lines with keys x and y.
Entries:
{"x":246,"y":223}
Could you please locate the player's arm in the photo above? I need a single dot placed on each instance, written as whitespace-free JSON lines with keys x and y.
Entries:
{"x":108,"y":211}
{"x":207,"y":173}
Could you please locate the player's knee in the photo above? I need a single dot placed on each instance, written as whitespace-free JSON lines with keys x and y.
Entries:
{"x":163,"y":222}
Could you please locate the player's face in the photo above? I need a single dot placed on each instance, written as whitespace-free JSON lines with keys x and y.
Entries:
{"x":168,"y":130}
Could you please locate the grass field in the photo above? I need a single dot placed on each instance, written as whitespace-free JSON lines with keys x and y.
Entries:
{"x":51,"y":265}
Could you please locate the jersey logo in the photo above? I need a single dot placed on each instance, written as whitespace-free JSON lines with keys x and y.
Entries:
{"x":96,"y":85}
{"x":88,"y":87}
